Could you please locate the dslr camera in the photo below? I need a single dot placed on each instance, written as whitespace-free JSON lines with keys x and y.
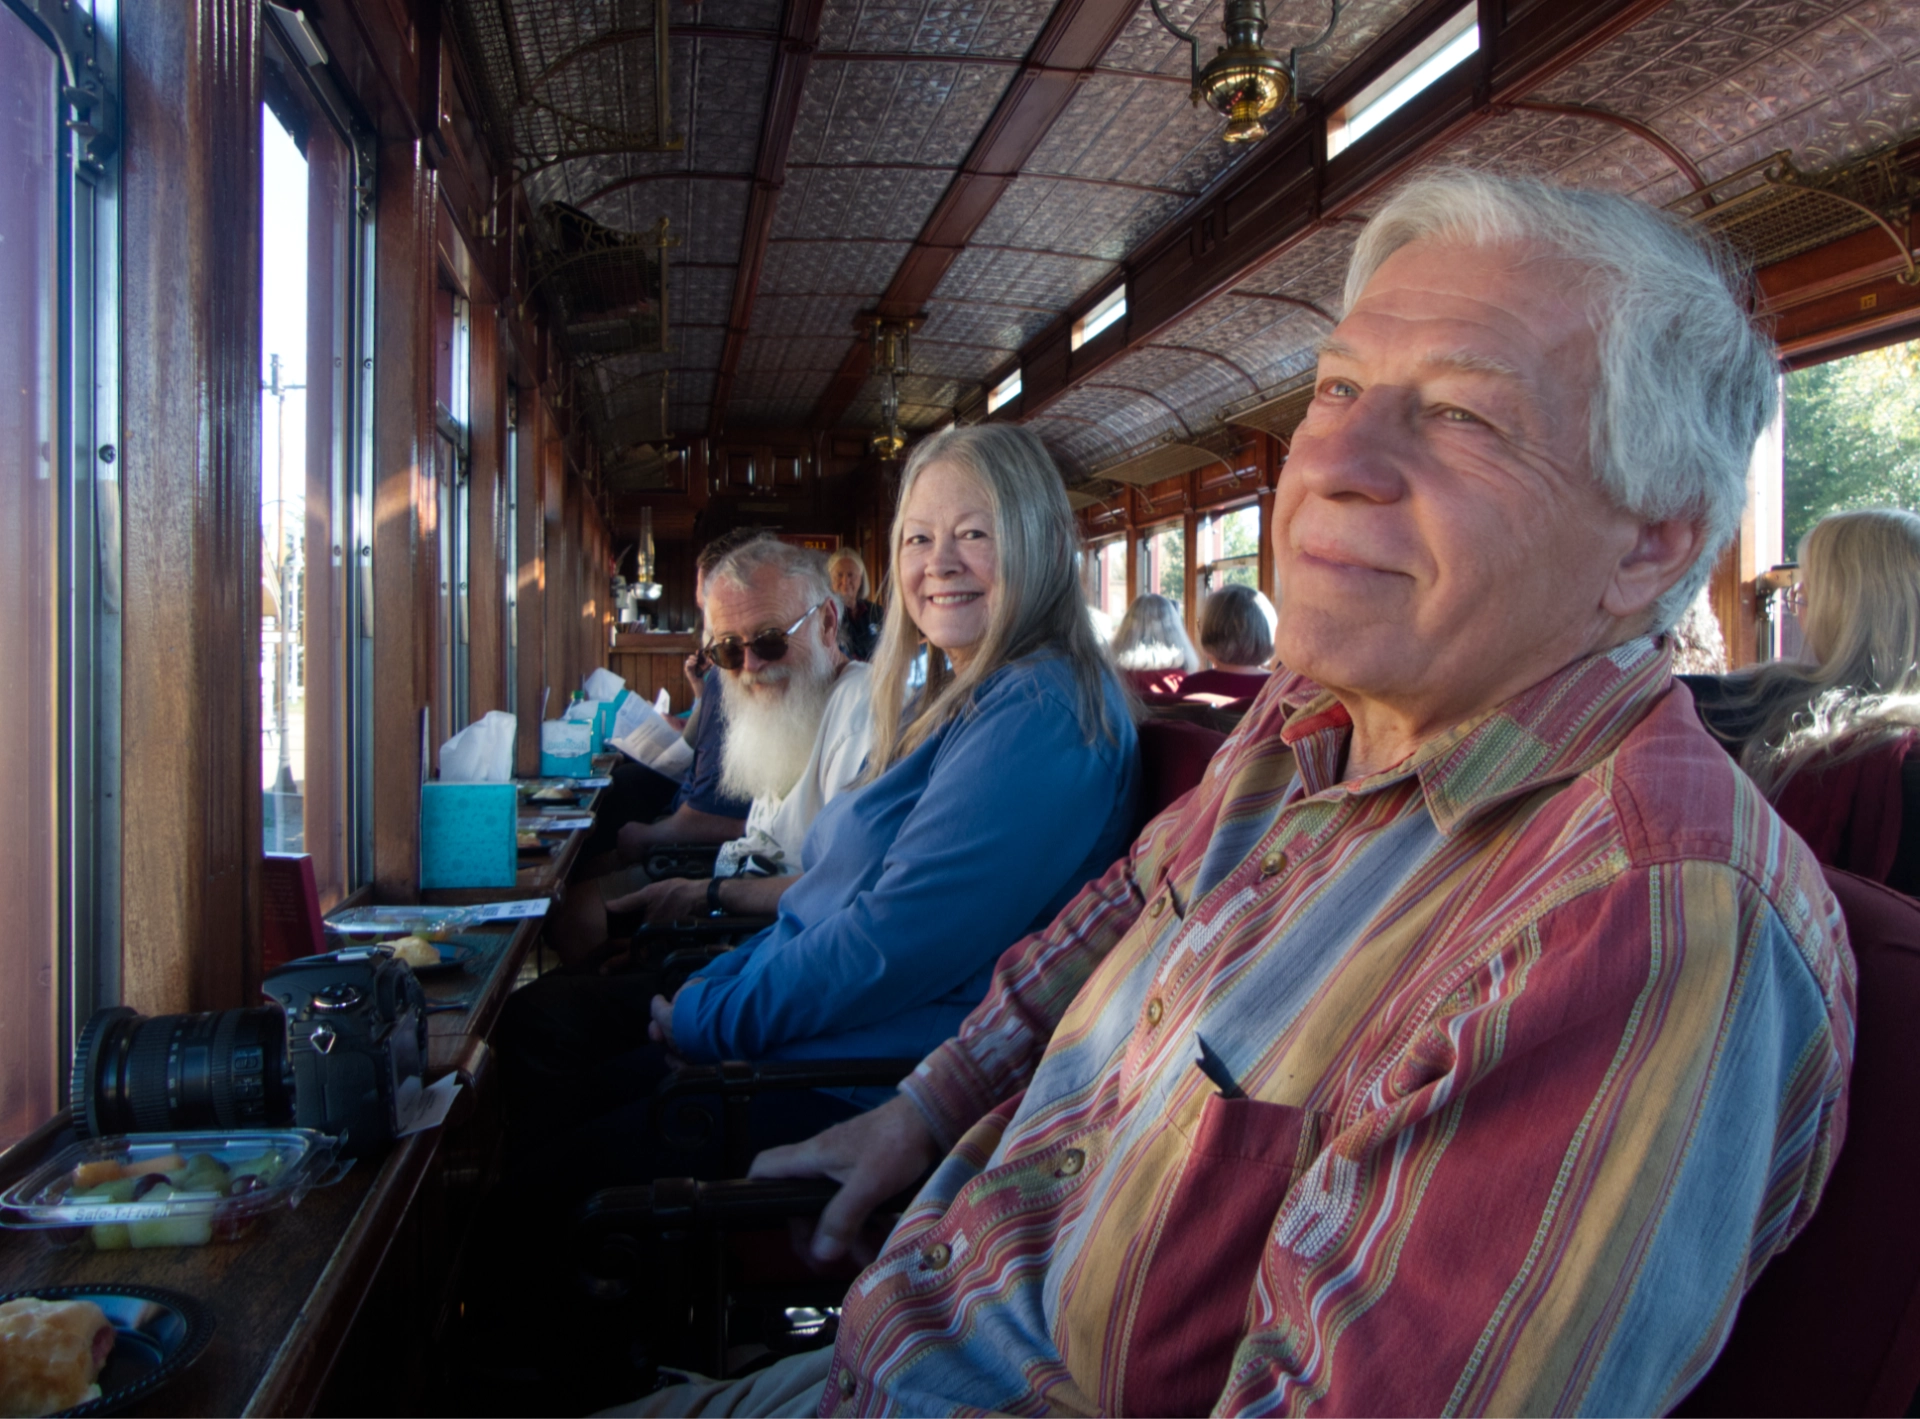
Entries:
{"x":342,"y":1050}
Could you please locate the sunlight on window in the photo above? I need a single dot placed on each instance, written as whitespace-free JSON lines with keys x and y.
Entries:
{"x":1393,"y":90}
{"x":283,"y":485}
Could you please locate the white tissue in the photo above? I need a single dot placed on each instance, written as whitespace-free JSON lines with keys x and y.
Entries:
{"x":480,"y":753}
{"x":603,"y":684}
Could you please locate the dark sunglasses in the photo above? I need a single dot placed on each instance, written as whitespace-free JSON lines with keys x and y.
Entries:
{"x":730,"y":652}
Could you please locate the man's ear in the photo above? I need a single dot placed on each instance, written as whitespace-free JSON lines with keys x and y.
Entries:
{"x":1659,"y":557}
{"x":830,"y":621}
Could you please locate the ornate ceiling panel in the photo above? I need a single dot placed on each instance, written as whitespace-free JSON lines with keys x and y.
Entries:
{"x":1003,"y":28}
{"x":892,"y":112}
{"x":982,"y":321}
{"x":1030,"y":278}
{"x":830,"y":267}
{"x":962,"y":362}
{"x":823,"y":204}
{"x":1080,"y":218}
{"x":821,"y":317}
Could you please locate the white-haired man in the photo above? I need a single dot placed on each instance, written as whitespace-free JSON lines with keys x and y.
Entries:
{"x":1474,"y":1033}
{"x":798,"y":725}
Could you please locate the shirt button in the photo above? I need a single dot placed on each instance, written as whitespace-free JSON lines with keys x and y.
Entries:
{"x":847,"y":1383}
{"x":1072,"y":1163}
{"x":1154,"y":1011}
{"x":936,"y":1256}
{"x":1272,"y":862}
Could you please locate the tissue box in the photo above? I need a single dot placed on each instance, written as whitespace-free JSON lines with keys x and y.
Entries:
{"x":468,"y":834}
{"x":566,"y":749}
{"x":605,"y":712}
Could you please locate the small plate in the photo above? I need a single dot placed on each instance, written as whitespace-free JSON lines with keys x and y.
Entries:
{"x":157,"y":1334}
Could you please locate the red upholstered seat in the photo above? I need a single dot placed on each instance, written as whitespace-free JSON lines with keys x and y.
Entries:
{"x":1173,"y":756}
{"x":1833,"y":1325}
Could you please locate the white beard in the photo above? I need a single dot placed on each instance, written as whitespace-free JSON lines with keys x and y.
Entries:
{"x":770,"y":737}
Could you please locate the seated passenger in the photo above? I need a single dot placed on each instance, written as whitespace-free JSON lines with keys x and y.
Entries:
{"x":860,"y":626}
{"x":1471,"y":1037}
{"x":1151,"y":647}
{"x":1831,"y":739}
{"x":696,"y":810}
{"x":1236,"y":636}
{"x":798,"y":723}
{"x":989,"y":799}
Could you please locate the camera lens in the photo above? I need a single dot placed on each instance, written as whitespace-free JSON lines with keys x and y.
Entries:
{"x":222,"y":1069}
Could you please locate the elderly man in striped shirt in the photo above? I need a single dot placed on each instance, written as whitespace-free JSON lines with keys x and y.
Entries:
{"x":1474,"y":1034}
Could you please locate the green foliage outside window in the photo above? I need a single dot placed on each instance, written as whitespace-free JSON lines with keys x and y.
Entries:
{"x":1853,"y":437}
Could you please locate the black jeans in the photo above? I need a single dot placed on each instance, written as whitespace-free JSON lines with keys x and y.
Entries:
{"x":580,"y":1076}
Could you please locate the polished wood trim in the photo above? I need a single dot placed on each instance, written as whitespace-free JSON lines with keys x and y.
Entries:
{"x":529,"y":598}
{"x":799,"y":33}
{"x":190,"y":776}
{"x":404,"y":507}
{"x":487,"y":687}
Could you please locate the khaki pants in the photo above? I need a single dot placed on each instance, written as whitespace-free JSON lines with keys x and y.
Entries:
{"x":787,"y":1389}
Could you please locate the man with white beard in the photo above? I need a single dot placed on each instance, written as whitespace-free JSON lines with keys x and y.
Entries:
{"x":799,"y":719}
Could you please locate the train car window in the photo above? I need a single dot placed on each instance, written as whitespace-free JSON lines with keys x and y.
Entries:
{"x":31,"y":439}
{"x":1104,"y":579}
{"x":453,"y":448}
{"x":1229,"y":549}
{"x":1163,"y":562}
{"x":315,"y":632}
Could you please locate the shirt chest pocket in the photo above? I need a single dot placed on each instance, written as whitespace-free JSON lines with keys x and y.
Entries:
{"x":1243,"y":1157}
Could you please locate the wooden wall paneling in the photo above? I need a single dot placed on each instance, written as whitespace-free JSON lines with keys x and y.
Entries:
{"x":191,"y":252}
{"x":405,"y":559}
{"x":556,"y":560}
{"x":530,"y":589}
{"x":486,"y":504}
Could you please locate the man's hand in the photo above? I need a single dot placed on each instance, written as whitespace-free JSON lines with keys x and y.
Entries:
{"x":695,"y":669}
{"x":872,"y":1157}
{"x":670,"y":899}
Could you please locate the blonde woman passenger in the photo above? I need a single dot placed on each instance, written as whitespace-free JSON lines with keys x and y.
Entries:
{"x":1151,"y":646}
{"x":1830,"y":738}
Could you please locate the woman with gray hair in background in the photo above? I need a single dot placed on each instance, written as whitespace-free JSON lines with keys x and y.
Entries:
{"x":1151,"y":646}
{"x":1830,"y":739}
{"x":1236,"y":636}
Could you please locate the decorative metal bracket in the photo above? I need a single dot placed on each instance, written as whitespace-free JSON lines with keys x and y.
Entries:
{"x":89,"y":89}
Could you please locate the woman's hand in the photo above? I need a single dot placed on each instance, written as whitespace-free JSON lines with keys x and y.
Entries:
{"x":872,"y":1157}
{"x":660,"y":1029}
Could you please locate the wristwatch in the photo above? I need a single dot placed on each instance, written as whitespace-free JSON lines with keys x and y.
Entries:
{"x":713,"y":896}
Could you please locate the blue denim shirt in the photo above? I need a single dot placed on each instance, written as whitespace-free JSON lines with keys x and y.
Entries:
{"x":915,"y":884}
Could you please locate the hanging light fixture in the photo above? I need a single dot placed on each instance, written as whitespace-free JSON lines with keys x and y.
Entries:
{"x":1245,"y":80}
{"x":891,"y":350}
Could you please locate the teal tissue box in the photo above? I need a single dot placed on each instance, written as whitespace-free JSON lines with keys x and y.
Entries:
{"x":468,"y":834}
{"x":565,"y":765}
{"x":603,"y":715}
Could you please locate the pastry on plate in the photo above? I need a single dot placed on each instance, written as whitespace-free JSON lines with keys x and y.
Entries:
{"x":50,"y":1354}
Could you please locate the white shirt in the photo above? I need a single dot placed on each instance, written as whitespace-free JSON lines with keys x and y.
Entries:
{"x":777,"y":826}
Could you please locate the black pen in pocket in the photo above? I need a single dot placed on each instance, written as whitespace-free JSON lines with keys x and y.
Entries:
{"x":1215,"y":1068}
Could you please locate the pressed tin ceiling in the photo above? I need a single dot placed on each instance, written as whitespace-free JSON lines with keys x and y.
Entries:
{"x":1727,"y":82}
{"x":895,"y":96}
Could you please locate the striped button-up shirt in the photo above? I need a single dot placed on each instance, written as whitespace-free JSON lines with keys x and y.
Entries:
{"x":1542,"y":1036}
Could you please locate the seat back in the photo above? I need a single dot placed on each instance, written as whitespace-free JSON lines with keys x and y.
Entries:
{"x":1833,"y":1324}
{"x":1173,"y":756}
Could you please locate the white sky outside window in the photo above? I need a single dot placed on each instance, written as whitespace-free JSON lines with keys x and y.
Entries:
{"x":1113,"y":308}
{"x":283,"y":482}
{"x":1393,"y":90}
{"x":1005,"y":392}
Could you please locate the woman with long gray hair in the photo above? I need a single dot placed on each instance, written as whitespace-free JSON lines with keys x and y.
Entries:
{"x":992,"y":794}
{"x":1828,"y":738}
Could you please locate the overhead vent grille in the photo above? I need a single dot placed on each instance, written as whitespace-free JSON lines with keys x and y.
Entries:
{"x":1771,"y":211}
{"x":1169,"y":460}
{"x":1278,"y":414}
